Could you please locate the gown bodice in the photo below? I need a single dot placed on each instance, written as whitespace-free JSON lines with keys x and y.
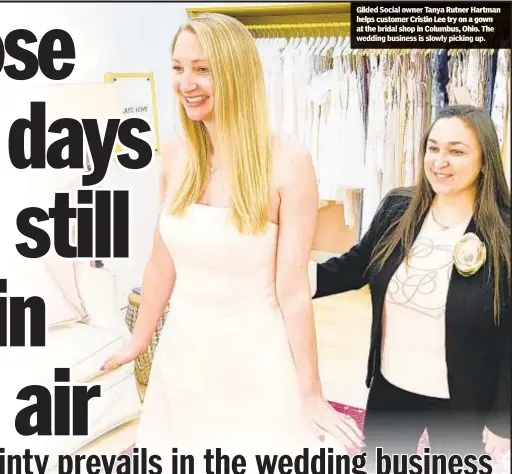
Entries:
{"x":216,"y":264}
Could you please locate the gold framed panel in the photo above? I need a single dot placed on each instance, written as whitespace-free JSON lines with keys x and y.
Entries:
{"x":289,"y":19}
{"x":112,"y":77}
{"x":288,"y":13}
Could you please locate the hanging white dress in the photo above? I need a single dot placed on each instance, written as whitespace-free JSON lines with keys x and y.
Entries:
{"x":302,"y":66}
{"x":276,"y":86}
{"x":374,"y":143}
{"x":391,"y":147}
{"x":289,"y":117}
{"x":318,"y":94}
{"x":500,"y":101}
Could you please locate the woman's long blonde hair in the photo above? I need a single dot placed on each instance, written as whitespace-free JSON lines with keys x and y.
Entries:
{"x":241,"y":123}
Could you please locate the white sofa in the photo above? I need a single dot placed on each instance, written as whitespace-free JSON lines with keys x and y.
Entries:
{"x":84,"y":328}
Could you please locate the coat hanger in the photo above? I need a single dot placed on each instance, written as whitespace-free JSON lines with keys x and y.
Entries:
{"x":318,"y":46}
{"x":283,"y":42}
{"x":304,"y":41}
{"x":275,"y":40}
{"x":331,"y":44}
{"x":337,"y":49}
{"x":269,"y":40}
{"x":316,"y":39}
{"x":323,"y":43}
{"x":289,"y":46}
{"x":297,"y":41}
{"x":345,"y":48}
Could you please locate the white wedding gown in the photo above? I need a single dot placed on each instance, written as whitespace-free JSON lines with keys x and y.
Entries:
{"x":223,"y":375}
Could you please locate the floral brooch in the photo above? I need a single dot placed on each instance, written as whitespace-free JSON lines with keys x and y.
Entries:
{"x":469,"y":254}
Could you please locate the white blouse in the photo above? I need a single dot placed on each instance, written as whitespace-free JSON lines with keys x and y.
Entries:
{"x":413,"y":351}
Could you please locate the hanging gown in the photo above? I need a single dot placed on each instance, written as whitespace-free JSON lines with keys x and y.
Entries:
{"x":223,"y":375}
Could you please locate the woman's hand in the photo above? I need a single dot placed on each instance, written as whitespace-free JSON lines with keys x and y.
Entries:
{"x":123,"y":356}
{"x":323,"y":418}
{"x":495,"y":445}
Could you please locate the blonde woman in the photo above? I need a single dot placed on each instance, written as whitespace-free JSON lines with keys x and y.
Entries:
{"x":236,"y":366}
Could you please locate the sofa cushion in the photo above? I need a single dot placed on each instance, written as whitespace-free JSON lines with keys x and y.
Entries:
{"x":119,"y":404}
{"x":33,"y":278}
{"x":64,"y":277}
{"x":80,"y":347}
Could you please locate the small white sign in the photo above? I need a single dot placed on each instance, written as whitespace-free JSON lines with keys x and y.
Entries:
{"x":136,"y":96}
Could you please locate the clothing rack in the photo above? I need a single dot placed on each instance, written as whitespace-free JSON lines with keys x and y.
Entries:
{"x":337,"y":28}
{"x":340,"y":27}
{"x":373,"y":104}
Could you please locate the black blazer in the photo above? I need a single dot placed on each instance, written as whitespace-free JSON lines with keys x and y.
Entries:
{"x":477,"y":350}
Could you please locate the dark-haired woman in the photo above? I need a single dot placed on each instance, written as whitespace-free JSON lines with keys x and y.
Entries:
{"x":437,"y":260}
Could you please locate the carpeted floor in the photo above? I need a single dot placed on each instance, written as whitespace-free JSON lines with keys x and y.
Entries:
{"x":358,"y":415}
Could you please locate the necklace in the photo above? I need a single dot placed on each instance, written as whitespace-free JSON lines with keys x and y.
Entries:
{"x":442,"y":226}
{"x":447,"y":227}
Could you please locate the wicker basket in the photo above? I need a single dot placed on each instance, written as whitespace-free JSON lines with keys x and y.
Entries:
{"x":144,"y":361}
